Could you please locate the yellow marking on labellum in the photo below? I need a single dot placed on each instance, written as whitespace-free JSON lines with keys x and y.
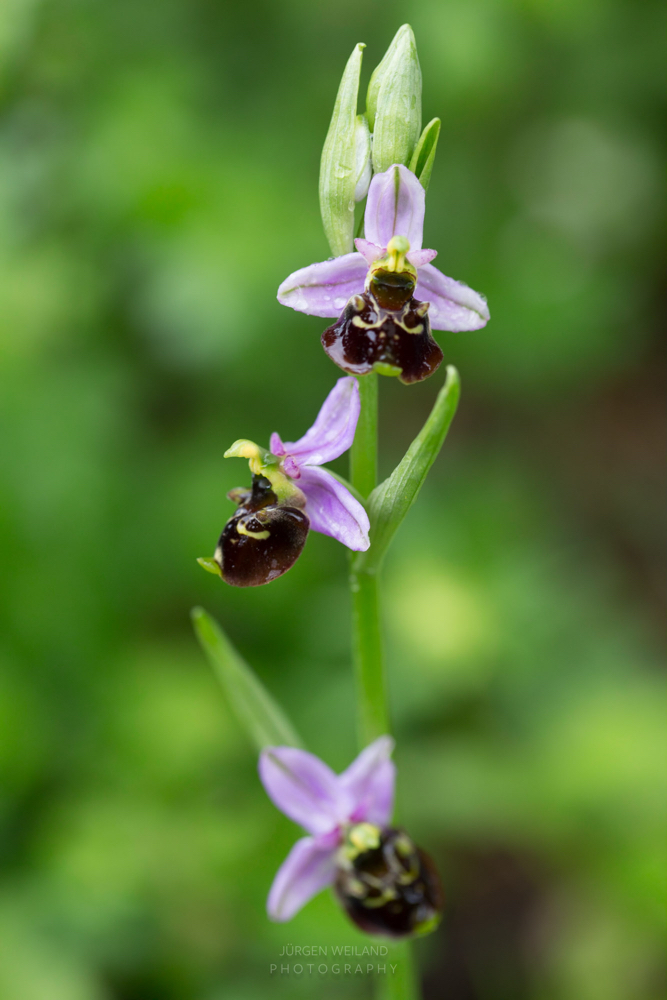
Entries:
{"x":403,"y":846}
{"x":409,"y":329}
{"x":356,"y":888}
{"x":259,"y":535}
{"x":358,"y":321}
{"x":373,"y":902}
{"x":408,"y":877}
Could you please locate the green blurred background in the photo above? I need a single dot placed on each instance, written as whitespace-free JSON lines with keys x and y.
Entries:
{"x":158,"y":180}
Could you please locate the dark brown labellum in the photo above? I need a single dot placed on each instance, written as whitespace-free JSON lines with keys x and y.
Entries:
{"x":263,"y":539}
{"x":384,"y":326}
{"x":392,"y":889}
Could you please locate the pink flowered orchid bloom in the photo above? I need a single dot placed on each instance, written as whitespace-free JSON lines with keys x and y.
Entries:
{"x":326,"y":805}
{"x":290,"y":494}
{"x":330,"y":506}
{"x":395,"y":208}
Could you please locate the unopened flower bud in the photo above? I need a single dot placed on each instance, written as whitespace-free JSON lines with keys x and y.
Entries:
{"x":386,"y":884}
{"x":345,"y":161}
{"x":394,"y":102}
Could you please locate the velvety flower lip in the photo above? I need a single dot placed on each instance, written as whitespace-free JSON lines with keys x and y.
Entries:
{"x":330,"y":506}
{"x":325,"y":804}
{"x":395,"y":207}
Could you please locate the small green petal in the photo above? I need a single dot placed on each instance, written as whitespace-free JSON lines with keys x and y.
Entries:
{"x":384,"y":369}
{"x":209,"y":564}
{"x":391,"y":500}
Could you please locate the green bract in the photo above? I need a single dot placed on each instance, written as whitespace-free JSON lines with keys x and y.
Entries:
{"x":345,"y":160}
{"x":258,"y":713}
{"x":391,"y":500}
{"x":394,"y":102}
{"x":421,"y":163}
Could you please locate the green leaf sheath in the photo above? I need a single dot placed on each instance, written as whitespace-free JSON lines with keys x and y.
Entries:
{"x":259,"y":714}
{"x":391,"y":501}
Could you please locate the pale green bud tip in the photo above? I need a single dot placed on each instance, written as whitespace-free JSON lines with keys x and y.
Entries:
{"x":393,"y":104}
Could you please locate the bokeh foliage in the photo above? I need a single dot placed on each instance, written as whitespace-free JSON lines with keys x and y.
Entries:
{"x":158,"y":179}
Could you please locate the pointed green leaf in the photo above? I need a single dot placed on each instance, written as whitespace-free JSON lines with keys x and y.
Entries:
{"x":257,"y":711}
{"x":339,"y":170}
{"x":391,"y":500}
{"x":423,"y":157}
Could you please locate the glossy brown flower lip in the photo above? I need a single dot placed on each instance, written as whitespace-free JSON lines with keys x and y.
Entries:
{"x":398,"y":341}
{"x":263,"y":539}
{"x":390,"y":887}
{"x":292,"y":494}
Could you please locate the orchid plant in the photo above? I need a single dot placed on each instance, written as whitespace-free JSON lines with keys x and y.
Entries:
{"x":386,"y":297}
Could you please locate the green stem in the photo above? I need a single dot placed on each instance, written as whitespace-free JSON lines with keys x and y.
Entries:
{"x":372,"y":707}
{"x":402,"y":984}
{"x":368,"y":654}
{"x":364,"y":452}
